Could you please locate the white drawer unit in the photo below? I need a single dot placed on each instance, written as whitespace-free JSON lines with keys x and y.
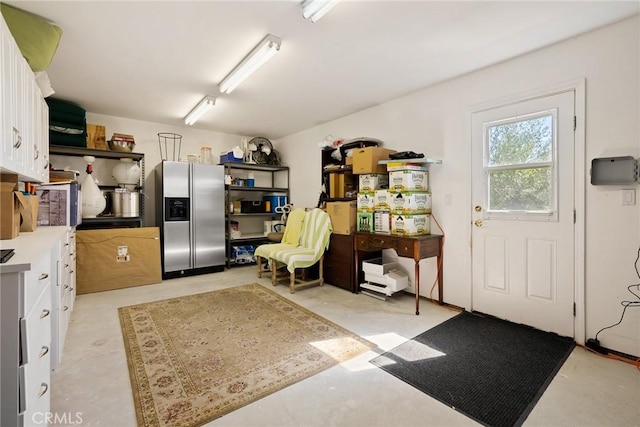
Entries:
{"x":35,"y":332}
{"x":62,"y":294}
{"x":26,"y":324}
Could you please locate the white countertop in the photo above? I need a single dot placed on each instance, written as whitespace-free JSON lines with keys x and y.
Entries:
{"x":29,"y":246}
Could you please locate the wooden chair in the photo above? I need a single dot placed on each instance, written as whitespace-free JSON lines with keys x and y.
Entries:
{"x":314,"y":241}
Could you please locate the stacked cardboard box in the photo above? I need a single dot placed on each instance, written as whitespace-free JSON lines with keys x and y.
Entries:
{"x":410,"y":199}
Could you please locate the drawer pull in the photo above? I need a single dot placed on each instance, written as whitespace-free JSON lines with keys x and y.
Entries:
{"x":66,"y":286}
{"x":70,"y":289}
{"x":44,"y":313}
{"x":66,"y":266}
{"x":65,"y":308}
{"x":43,"y":389}
{"x":43,"y":276}
{"x":44,"y":351}
{"x":66,"y":244}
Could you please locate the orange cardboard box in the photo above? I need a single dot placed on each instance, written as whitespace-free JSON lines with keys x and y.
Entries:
{"x":365,"y":160}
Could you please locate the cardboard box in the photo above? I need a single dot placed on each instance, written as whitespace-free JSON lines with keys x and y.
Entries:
{"x":365,"y":160}
{"x":117,"y":258}
{"x":365,"y":202}
{"x":343,"y":216}
{"x":409,"y":180}
{"x":411,"y":225}
{"x":336,"y":185}
{"x":411,"y":202}
{"x":348,"y":161}
{"x":382,"y":221}
{"x":382,"y":199}
{"x":9,"y":207}
{"x":59,"y":204}
{"x":373,"y":181}
{"x":365,"y":222}
{"x":96,"y":137}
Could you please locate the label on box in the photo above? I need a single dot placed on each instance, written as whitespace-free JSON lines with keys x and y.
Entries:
{"x":382,"y":221}
{"x":396,"y":166}
{"x":123,"y":254}
{"x":364,"y":221}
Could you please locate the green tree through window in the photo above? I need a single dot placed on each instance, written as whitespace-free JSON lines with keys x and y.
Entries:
{"x":519,"y":163}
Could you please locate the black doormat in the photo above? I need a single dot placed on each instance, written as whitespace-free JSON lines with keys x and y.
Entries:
{"x":491,"y":370}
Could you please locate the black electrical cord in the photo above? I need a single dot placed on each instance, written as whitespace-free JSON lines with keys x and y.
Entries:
{"x":627,"y":304}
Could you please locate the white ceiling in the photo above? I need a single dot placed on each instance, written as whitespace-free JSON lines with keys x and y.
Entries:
{"x":154,"y":60}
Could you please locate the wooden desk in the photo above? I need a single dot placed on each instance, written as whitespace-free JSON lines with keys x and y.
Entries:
{"x":416,"y":247}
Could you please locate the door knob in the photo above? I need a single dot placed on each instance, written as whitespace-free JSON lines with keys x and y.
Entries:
{"x":478,"y":208}
{"x":478,"y":223}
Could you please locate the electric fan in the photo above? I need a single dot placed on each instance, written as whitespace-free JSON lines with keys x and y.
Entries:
{"x":262,"y":151}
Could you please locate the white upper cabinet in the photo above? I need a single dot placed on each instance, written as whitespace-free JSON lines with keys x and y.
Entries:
{"x":24,"y":117}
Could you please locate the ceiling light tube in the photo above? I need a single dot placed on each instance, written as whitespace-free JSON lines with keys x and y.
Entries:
{"x":315,"y":9}
{"x":198,"y":111}
{"x":254,"y":60}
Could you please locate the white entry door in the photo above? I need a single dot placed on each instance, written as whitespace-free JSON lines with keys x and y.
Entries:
{"x":523,"y":212}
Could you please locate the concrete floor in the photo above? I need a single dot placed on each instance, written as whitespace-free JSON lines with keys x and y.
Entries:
{"x":92,"y":383}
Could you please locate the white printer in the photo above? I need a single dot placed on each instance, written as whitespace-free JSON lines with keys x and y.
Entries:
{"x":383,"y":278}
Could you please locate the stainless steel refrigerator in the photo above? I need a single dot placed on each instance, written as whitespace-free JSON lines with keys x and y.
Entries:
{"x":190,"y":214}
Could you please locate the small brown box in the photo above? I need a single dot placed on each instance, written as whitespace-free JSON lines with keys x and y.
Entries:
{"x":343,"y":216}
{"x":9,"y":207}
{"x":365,"y":160}
{"x":96,"y":137}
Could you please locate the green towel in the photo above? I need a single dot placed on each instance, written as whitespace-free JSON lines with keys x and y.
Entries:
{"x":292,"y":230}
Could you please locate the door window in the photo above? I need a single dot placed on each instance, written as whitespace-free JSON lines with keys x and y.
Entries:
{"x":520,"y":167}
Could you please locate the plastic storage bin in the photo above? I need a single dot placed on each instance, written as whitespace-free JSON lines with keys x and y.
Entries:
{"x":277,"y":201}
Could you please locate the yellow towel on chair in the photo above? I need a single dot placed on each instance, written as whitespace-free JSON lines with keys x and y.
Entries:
{"x":293,"y":228}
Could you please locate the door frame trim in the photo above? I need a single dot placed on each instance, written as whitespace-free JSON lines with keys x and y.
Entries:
{"x":577,"y":86}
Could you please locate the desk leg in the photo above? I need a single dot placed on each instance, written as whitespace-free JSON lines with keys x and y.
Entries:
{"x":356,"y":267}
{"x":440,"y":284}
{"x":417,"y":280}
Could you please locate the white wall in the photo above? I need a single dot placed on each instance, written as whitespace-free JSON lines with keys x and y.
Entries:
{"x":146,"y":136}
{"x":435,"y":121}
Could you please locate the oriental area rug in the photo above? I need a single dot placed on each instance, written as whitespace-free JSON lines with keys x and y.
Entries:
{"x":195,"y":358}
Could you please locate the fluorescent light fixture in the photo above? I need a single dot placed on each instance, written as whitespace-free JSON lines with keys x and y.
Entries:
{"x":254,"y":60}
{"x":199,"y":110}
{"x":315,"y":9}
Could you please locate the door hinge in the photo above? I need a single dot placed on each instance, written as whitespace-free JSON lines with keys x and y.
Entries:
{"x":574,"y":216}
{"x":574,"y":309}
{"x":575,"y":122}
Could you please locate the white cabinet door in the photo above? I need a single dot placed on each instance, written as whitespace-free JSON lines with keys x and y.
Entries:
{"x":24,"y":118}
{"x":11,"y":85}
